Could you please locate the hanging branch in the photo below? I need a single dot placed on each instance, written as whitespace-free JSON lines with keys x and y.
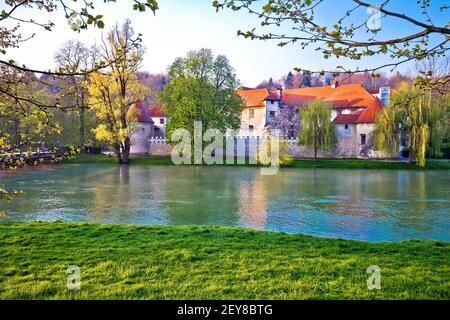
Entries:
{"x":343,"y":38}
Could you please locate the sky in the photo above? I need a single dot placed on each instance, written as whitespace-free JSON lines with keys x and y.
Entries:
{"x":181,"y":25}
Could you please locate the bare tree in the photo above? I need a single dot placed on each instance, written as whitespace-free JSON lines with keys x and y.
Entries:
{"x":15,"y":14}
{"x":436,"y":71}
{"x":74,"y":57}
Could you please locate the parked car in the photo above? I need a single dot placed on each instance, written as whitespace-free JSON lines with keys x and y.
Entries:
{"x":109,"y":153}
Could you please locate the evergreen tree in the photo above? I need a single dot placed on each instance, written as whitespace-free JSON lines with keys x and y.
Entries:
{"x":289,"y":82}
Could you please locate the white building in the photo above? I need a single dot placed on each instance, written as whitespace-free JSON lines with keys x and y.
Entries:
{"x":160,"y":120}
{"x":141,"y":130}
{"x":354,"y":111}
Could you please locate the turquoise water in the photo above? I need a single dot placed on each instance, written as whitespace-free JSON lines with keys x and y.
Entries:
{"x":373,"y":205}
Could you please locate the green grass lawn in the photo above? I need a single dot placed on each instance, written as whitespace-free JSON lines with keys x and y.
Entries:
{"x":303,"y":163}
{"x":155,"y":262}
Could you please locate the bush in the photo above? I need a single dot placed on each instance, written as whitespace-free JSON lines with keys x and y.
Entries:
{"x":93,"y":150}
{"x":284,"y":159}
{"x":445,"y":148}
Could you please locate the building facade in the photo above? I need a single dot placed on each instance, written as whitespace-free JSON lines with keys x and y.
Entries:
{"x":354,"y":111}
{"x":160,"y":120}
{"x":141,"y":129}
{"x":150,"y":124}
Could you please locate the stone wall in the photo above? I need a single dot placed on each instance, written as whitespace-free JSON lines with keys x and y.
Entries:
{"x":245,"y":146}
{"x":159,"y":147}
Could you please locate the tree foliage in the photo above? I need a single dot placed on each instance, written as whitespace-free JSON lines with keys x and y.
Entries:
{"x":289,"y":81}
{"x":23,"y":119}
{"x":317,"y":129}
{"x":112,"y":94}
{"x":17,"y":13}
{"x":202,"y":88}
{"x":265,"y":151}
{"x":287,"y":121}
{"x":420,"y":118}
{"x":156,"y":84}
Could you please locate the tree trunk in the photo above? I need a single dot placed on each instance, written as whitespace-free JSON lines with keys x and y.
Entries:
{"x":409,"y":152}
{"x":17,"y":130}
{"x":81,"y":114}
{"x":82,"y":130}
{"x":118,"y":153}
{"x":315,"y":146}
{"x":315,"y":151}
{"x":27,"y":129}
{"x":126,"y":151}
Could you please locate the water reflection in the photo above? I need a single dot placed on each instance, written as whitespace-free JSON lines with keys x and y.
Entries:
{"x":357,"y":204}
{"x":253,"y":204}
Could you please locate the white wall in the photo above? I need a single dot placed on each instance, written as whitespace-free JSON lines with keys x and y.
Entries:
{"x":272,"y":106}
{"x":258,"y":121}
{"x":162,"y":127}
{"x":139,"y":138}
{"x":349,"y":140}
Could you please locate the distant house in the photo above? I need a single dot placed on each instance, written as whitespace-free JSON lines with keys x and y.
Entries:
{"x":353,"y":111}
{"x":141,"y":129}
{"x":160,"y":120}
{"x":150,"y":122}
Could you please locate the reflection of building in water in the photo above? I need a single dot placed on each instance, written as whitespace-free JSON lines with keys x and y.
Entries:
{"x":253,"y":204}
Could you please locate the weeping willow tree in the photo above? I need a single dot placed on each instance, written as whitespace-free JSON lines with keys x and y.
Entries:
{"x":418,"y":117}
{"x":387,"y":131}
{"x":439,"y":118}
{"x":317,"y":130}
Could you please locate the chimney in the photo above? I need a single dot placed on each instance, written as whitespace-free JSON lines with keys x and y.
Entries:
{"x":334,"y":84}
{"x":384,"y":95}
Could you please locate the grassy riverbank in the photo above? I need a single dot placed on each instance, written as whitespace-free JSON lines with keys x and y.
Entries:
{"x":304,"y":163}
{"x":137,"y":262}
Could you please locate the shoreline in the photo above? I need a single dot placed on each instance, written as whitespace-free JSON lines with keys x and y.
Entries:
{"x":297,"y":163}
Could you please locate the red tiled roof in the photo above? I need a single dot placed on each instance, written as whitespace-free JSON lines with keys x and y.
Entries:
{"x":348,"y":96}
{"x":374,"y":91}
{"x":341,"y":97}
{"x":253,"y":97}
{"x":368,"y":115}
{"x":156,"y":112}
{"x":347,"y":118}
{"x":139,"y":111}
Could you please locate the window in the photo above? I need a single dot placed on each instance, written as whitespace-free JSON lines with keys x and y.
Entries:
{"x":161,"y":120}
{"x":271,"y":114}
{"x":251,"y":127}
{"x":363,"y":139}
{"x":251,"y":113}
{"x":272,"y":102}
{"x":346,"y":127}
